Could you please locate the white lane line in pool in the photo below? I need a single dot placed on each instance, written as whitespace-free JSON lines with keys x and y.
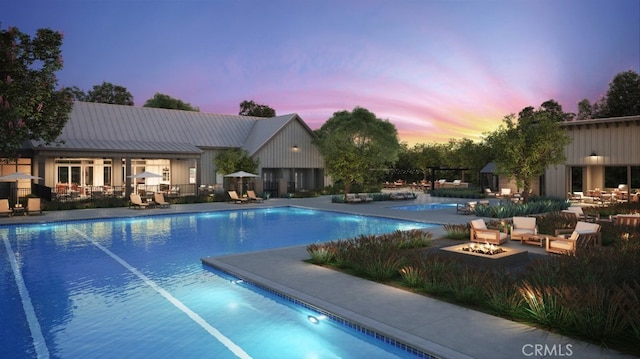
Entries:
{"x":193,"y":315}
{"x":34,"y":326}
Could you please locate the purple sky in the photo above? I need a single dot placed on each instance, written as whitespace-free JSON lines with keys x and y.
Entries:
{"x":436,"y":69}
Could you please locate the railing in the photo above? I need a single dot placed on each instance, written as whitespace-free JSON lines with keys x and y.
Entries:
{"x":64,"y":193}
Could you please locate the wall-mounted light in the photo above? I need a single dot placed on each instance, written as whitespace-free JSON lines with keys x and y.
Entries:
{"x":295,"y":148}
{"x":593,"y":154}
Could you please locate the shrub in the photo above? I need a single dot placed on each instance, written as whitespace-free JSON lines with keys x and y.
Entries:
{"x":536,"y":205}
{"x":457,"y":231}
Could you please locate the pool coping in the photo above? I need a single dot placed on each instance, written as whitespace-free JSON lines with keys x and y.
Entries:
{"x":415,"y":345}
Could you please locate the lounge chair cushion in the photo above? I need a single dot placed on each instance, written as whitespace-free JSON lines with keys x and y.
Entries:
{"x":478,"y":224}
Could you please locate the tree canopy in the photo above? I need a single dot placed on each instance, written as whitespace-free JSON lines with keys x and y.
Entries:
{"x":622,"y":99}
{"x":250,"y":108}
{"x":235,"y":159}
{"x":523,"y":149}
{"x":31,"y":108}
{"x":109,"y":93}
{"x":356,"y":144}
{"x":165,"y":101}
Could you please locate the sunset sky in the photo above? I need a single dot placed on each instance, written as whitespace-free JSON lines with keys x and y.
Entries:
{"x":436,"y":69}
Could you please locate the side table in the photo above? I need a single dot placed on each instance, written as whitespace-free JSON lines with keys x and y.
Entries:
{"x":19,"y":210}
{"x":537,"y":239}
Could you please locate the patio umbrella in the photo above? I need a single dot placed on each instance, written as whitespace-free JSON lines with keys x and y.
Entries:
{"x":143,"y":175}
{"x":241,"y":174}
{"x":16,"y":176}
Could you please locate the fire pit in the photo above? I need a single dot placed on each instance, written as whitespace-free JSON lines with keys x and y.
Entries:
{"x":488,"y":249}
{"x":485,"y":254}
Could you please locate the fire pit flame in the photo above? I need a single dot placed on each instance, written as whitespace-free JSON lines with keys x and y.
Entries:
{"x":485,"y":248}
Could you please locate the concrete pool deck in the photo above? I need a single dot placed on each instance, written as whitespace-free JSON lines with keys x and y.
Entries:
{"x":432,"y":326}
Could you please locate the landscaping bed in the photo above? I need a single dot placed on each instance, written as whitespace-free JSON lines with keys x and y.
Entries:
{"x":593,"y":296}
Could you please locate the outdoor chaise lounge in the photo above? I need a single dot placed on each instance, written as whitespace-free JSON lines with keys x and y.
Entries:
{"x":252,"y":196}
{"x":466,"y":208}
{"x":480,"y":233}
{"x":237,"y":199}
{"x":505,"y":192}
{"x":4,"y":207}
{"x":34,"y":206}
{"x":158,"y":198}
{"x":584,"y":235}
{"x":523,"y":226}
{"x":136,"y":201}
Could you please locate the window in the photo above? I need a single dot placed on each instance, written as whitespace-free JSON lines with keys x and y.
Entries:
{"x":614,"y":176}
{"x":576,"y":179}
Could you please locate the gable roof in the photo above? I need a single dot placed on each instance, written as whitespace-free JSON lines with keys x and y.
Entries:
{"x":96,"y":126}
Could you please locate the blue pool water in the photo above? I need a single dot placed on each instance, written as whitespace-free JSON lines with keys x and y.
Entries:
{"x":425,"y":207}
{"x":135,"y":288}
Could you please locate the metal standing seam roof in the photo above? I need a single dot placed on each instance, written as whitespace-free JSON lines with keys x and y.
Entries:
{"x":97,"y":126}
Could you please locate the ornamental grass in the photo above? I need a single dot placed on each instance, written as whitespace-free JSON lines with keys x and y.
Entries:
{"x":592,"y":296}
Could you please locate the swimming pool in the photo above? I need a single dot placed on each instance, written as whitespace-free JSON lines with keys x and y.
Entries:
{"x":135,"y":287}
{"x":425,"y":207}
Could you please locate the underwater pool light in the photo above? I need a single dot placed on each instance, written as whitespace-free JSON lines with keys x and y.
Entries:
{"x":316,"y":320}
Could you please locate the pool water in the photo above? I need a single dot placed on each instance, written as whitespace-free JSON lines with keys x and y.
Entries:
{"x":425,"y":207}
{"x":135,"y":288}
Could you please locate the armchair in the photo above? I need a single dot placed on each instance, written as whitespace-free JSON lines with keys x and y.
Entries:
{"x":481,"y":234}
{"x":584,"y":235}
{"x":522,"y":226}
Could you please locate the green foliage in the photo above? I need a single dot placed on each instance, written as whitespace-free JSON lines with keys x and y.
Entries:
{"x":378,"y":257}
{"x":457,"y":231}
{"x":109,"y":93}
{"x":30,"y":106}
{"x":457,"y":193}
{"x":235,"y":159}
{"x":592,"y":296}
{"x":250,"y":108}
{"x":525,"y":148}
{"x":165,"y":101}
{"x":539,"y":205}
{"x":354,"y":143}
{"x":622,"y":98}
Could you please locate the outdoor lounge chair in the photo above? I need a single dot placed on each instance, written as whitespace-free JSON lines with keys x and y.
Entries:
{"x":523,"y":226}
{"x":579,"y":214}
{"x":352,"y":198}
{"x":629,"y":220}
{"x":584,"y":235}
{"x":136,"y":201}
{"x":489,"y":193}
{"x":34,"y":206}
{"x":505,"y":192}
{"x":235,"y":198}
{"x":480,"y":234}
{"x":252,"y":196}
{"x":4,"y":207}
{"x":466,"y":208}
{"x":158,"y":198}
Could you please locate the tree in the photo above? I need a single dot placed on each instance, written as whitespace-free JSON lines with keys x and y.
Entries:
{"x":354,"y":144}
{"x":233,"y":160}
{"x":524,"y":149}
{"x":428,"y":155}
{"x":250,"y":108}
{"x":110,"y":93}
{"x":165,"y":101}
{"x":77,"y":93}
{"x":30,"y":106}
{"x":622,"y":97}
{"x":585,"y":110}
